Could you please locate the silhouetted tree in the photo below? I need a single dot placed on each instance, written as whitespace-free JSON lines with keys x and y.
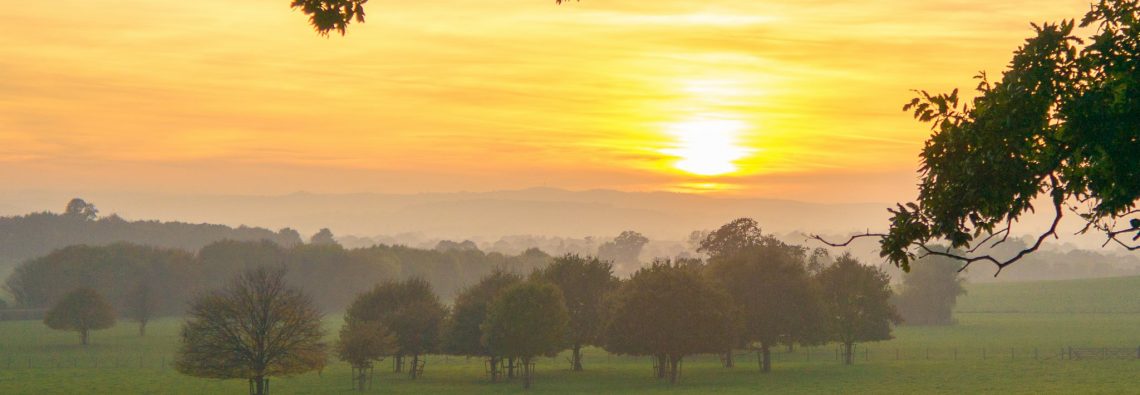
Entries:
{"x":856,"y":300}
{"x":329,"y":15}
{"x":668,"y":311}
{"x":82,"y":310}
{"x":324,"y":236}
{"x":255,"y":328}
{"x":624,"y":249}
{"x":585,"y":283}
{"x":78,"y":208}
{"x":527,"y":320}
{"x":731,"y":238}
{"x":410,"y":311}
{"x":463,"y":334}
{"x":930,"y":291}
{"x":360,"y":344}
{"x":1059,"y":126}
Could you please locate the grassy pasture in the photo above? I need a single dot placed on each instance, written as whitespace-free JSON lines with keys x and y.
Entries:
{"x":1008,"y":340}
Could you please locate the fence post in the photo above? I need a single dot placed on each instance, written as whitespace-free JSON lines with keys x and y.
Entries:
{"x":1011,"y":355}
{"x":896,"y":353}
{"x":983,"y":353}
{"x":867,"y":354}
{"x":955,"y":353}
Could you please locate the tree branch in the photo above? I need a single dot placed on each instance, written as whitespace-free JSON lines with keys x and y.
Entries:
{"x":849,"y":240}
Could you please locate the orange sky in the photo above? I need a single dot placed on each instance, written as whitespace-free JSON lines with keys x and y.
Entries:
{"x":794,"y":99}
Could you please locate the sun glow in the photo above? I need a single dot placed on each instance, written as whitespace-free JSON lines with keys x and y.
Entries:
{"x":707,"y":147}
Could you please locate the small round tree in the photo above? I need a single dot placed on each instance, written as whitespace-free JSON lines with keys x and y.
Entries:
{"x":526,"y":321}
{"x":361,"y":343}
{"x":83,"y":310}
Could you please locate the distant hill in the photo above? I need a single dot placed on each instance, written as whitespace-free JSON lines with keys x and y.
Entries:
{"x":480,"y":215}
{"x":34,"y":235}
{"x":1101,"y":295}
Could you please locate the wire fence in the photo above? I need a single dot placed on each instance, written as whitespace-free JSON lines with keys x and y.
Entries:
{"x":818,"y":354}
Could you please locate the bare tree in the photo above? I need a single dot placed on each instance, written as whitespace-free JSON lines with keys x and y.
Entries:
{"x":254,"y":328}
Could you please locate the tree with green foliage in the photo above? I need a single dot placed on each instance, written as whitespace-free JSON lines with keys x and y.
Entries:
{"x":411,"y":311}
{"x":463,"y":332}
{"x":930,"y":291}
{"x":731,"y":238}
{"x":527,"y":320}
{"x":141,"y":305}
{"x":773,"y":296}
{"x":585,"y":283}
{"x":856,"y":301}
{"x":329,"y":15}
{"x":81,"y":310}
{"x":727,"y":241}
{"x":1060,"y":126}
{"x":360,"y":344}
{"x":668,"y":311}
{"x":254,"y":328}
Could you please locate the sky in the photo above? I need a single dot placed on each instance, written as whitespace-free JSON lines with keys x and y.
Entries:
{"x":794,"y":100}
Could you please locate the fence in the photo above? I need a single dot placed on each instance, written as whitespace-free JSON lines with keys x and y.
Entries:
{"x":819,"y":354}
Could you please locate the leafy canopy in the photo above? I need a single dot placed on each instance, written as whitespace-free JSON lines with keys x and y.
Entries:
{"x":1061,"y":125}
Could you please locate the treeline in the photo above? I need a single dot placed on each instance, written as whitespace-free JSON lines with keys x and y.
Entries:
{"x":34,"y":235}
{"x":754,"y":292}
{"x":333,"y":275}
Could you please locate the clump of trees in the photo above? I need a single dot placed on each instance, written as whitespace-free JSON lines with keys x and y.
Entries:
{"x":410,"y":311}
{"x":585,"y":283}
{"x":82,"y":310}
{"x":624,"y":250}
{"x":856,"y":299}
{"x":669,"y":311}
{"x":463,"y":330}
{"x":362,"y":343}
{"x":255,"y":328}
{"x":35,"y":235}
{"x":527,"y":320}
{"x":930,"y":291}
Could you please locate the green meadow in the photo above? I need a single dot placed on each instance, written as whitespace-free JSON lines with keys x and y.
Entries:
{"x":1009,"y":339}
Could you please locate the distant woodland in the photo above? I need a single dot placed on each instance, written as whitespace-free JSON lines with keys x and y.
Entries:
{"x":48,"y":254}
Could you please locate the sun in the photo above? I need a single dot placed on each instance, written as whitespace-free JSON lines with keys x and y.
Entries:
{"x":706,"y":147}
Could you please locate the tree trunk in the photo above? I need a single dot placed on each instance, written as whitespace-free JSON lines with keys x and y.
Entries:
{"x":361,"y":378}
{"x":674,"y":361}
{"x":259,"y":386}
{"x":576,"y":358}
{"x":662,"y":366}
{"x":495,"y":369}
{"x":142,"y":328}
{"x":415,"y":370}
{"x":849,"y":353}
{"x":511,"y":367}
{"x":398,"y":363}
{"x":83,"y":336}
{"x":765,"y":358}
{"x":728,"y":362}
{"x":526,"y":372}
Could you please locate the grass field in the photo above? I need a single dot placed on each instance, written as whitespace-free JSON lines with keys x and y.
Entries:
{"x":1008,"y":340}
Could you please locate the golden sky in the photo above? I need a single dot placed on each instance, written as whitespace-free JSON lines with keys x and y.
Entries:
{"x":785,"y":99}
